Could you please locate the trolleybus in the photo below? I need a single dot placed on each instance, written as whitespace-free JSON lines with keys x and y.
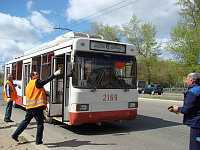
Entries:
{"x":98,"y":81}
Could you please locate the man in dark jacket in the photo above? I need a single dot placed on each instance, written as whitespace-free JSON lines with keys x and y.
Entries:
{"x":36,"y":101}
{"x":191,"y":109}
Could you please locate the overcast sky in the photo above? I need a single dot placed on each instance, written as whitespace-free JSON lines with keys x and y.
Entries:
{"x":24,"y":24}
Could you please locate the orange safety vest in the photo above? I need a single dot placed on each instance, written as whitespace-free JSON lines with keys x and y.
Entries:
{"x":35,"y":97}
{"x":13,"y":92}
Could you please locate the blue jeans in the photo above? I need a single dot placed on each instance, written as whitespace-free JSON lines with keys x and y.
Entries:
{"x":37,"y":113}
{"x":8,"y":111}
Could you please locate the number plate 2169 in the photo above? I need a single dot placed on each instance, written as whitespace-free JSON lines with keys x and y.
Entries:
{"x":110,"y":97}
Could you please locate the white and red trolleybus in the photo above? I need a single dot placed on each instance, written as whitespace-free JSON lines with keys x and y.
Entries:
{"x":98,"y":83}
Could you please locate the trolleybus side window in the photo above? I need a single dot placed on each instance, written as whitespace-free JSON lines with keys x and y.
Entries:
{"x":7,"y":71}
{"x":46,"y":66}
{"x":19,"y":70}
{"x":14,"y":70}
{"x":36,"y":64}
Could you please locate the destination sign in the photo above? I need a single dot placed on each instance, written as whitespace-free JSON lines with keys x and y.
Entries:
{"x":109,"y":47}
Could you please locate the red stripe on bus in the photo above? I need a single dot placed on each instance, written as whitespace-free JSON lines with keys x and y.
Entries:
{"x":92,"y":117}
{"x":19,"y":101}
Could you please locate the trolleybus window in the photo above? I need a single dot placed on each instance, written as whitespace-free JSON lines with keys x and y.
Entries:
{"x":7,"y":71}
{"x":19,"y":70}
{"x":14,"y":69}
{"x":104,"y":71}
{"x":46,"y":66}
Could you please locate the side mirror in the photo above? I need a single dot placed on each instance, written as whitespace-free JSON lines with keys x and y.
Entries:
{"x":69,"y":69}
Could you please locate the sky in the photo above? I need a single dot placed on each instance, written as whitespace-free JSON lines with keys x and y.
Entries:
{"x":27,"y":23}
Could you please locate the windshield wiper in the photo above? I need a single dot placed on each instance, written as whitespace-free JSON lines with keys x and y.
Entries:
{"x":98,"y":80}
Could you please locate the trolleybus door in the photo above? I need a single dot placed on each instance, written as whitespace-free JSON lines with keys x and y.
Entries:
{"x":66,"y":73}
{"x":8,"y":69}
{"x":27,"y":66}
{"x":56,"y":90}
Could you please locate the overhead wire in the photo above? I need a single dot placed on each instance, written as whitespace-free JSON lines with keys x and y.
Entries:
{"x":107,"y":12}
{"x":86,"y":18}
{"x":83,"y":20}
{"x":33,"y":5}
{"x":98,"y":12}
{"x":21,"y":22}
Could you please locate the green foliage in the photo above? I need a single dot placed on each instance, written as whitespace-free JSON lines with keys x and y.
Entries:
{"x":184,"y":45}
{"x":164,"y":72}
{"x":1,"y":79}
{"x":185,"y":36}
{"x":108,"y":32}
{"x":143,"y":37}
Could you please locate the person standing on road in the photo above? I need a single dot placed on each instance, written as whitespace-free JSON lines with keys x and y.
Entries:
{"x":191,"y":109}
{"x":10,"y":95}
{"x":36,"y":102}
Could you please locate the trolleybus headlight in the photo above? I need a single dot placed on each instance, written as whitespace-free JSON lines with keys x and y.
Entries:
{"x":82,"y":107}
{"x":132,"y":104}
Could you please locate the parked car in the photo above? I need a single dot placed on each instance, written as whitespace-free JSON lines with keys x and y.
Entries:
{"x":152,"y":89}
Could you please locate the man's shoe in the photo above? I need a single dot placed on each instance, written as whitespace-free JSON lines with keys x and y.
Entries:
{"x":40,"y":142}
{"x":15,"y":138}
{"x":8,"y":121}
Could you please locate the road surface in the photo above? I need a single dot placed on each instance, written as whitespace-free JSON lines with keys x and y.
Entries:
{"x":154,"y":129}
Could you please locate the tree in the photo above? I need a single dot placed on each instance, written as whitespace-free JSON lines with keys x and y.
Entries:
{"x":185,"y":36}
{"x":111,"y":33}
{"x":143,"y":37}
{"x":168,"y":73}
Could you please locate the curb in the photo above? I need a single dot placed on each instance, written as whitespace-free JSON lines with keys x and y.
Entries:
{"x":27,"y":138}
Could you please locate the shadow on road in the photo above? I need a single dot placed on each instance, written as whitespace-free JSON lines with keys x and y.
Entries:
{"x":141,"y":123}
{"x":72,"y":143}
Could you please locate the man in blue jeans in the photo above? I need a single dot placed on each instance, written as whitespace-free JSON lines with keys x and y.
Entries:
{"x":191,"y":109}
{"x":10,"y":95}
{"x":36,"y":102}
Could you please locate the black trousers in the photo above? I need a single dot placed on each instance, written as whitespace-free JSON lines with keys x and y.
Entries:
{"x":37,"y":113}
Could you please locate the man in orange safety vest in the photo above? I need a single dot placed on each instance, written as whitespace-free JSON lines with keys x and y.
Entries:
{"x":10,"y":95}
{"x":36,"y":102}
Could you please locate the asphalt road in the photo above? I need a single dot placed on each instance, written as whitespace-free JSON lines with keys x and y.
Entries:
{"x":154,"y":129}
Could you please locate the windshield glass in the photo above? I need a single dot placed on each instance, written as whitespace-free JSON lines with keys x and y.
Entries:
{"x":104,"y":71}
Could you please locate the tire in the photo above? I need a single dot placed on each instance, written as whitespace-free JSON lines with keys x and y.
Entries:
{"x":159,"y":93}
{"x":152,"y":92}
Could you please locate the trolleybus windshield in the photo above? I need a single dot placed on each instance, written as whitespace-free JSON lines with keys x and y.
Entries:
{"x":104,"y":71}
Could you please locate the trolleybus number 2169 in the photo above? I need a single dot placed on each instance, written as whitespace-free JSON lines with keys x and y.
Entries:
{"x":109,"y":97}
{"x":99,"y":78}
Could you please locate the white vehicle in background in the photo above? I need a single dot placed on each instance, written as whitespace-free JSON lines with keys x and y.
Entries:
{"x":99,"y":80}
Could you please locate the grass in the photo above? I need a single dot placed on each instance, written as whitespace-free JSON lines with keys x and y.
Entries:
{"x":1,"y":81}
{"x":178,"y":92}
{"x":164,"y":97}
